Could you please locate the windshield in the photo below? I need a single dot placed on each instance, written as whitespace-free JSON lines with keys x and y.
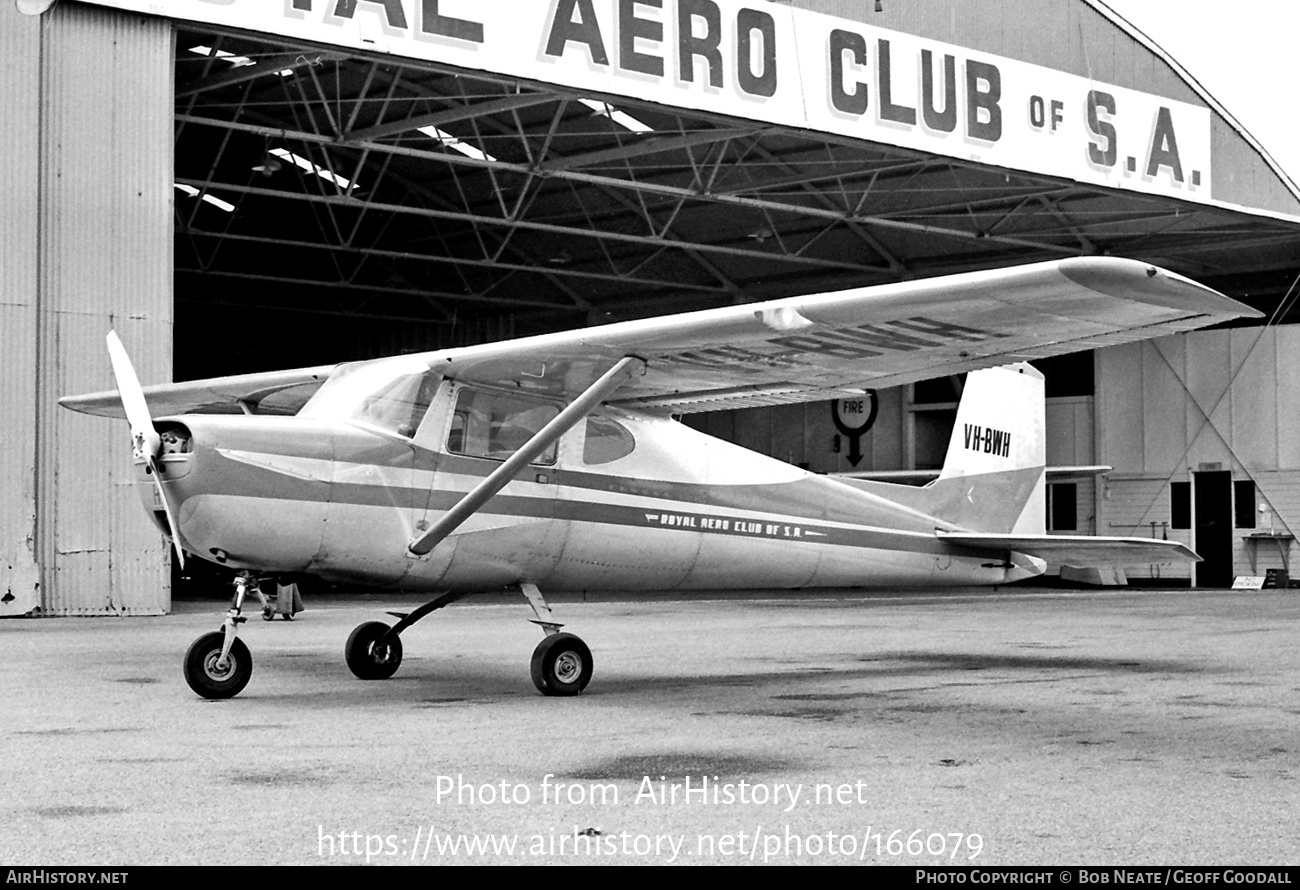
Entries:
{"x":390,"y":394}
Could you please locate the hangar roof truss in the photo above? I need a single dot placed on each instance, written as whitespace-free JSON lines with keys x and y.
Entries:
{"x":370,"y":186}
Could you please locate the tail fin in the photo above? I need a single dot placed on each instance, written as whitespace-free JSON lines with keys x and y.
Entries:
{"x":993,"y":476}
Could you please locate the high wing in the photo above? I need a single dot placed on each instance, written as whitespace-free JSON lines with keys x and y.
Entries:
{"x":804,"y":348}
{"x":830,"y":345}
{"x":273,"y":392}
{"x":1079,"y":550}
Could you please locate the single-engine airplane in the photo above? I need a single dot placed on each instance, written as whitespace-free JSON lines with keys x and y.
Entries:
{"x":555,"y":461}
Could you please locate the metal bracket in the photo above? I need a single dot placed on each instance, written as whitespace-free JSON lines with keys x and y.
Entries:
{"x":234,"y":617}
{"x":544,"y":618}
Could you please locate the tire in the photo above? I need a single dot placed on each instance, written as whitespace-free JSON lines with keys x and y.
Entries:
{"x":203,"y":675}
{"x":366,"y":658}
{"x":561,"y":665}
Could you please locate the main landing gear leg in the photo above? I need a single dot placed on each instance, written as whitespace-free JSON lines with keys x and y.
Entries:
{"x":561,"y":662}
{"x":219,"y":665}
{"x":374,"y":650}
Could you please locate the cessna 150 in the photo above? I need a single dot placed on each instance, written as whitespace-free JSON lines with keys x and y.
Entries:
{"x":555,"y":461}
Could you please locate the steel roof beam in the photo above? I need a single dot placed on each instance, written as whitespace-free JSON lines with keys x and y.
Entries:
{"x":616,"y":195}
{"x":459,"y":261}
{"x":514,"y":103}
{"x":646,"y":146}
{"x":654,"y":188}
{"x":268,"y":65}
{"x":848,"y":171}
{"x":448,"y":116}
{"x":871,"y":242}
{"x":479,"y":219}
{"x":368,"y":288}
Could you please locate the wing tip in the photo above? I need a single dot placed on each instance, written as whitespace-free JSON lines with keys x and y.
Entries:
{"x":1135,"y":279}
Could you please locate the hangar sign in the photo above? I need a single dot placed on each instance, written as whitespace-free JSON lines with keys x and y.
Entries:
{"x":774,"y":64}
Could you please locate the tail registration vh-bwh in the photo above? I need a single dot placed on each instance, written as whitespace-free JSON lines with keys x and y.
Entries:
{"x":554,"y":462}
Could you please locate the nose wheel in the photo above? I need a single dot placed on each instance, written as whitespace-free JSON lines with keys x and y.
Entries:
{"x":212,"y":675}
{"x":218,"y":665}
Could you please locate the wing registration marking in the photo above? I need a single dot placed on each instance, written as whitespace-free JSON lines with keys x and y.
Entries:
{"x":796,"y":350}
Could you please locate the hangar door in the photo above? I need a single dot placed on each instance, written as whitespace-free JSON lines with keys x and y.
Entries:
{"x":1213,"y":506}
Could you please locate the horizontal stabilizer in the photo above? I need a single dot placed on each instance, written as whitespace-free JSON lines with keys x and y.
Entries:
{"x":920,"y":477}
{"x":1079,"y":550}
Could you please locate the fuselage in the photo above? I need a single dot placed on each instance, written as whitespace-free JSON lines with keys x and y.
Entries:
{"x":632,"y":502}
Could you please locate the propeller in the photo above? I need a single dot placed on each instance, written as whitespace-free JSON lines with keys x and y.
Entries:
{"x":145,"y":441}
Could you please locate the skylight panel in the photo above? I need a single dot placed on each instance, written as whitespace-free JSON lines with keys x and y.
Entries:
{"x":310,"y":167}
{"x":237,"y":61}
{"x":210,"y":199}
{"x":456,"y":144}
{"x":622,"y":118}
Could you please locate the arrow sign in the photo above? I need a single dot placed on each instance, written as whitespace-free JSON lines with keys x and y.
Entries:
{"x":855,"y":450}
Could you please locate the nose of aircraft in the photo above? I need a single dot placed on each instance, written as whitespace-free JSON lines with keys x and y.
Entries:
{"x":175,"y":462}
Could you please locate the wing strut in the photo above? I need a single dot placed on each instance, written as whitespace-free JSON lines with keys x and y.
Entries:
{"x":541,"y":440}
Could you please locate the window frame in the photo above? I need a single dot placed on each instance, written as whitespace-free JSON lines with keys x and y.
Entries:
{"x":548,"y":458}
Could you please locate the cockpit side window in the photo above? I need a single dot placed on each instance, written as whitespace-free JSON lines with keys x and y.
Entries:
{"x":495,"y":425}
{"x":607,"y":441}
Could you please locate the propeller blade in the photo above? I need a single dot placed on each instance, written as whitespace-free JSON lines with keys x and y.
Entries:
{"x":145,"y":439}
{"x":167,"y":509}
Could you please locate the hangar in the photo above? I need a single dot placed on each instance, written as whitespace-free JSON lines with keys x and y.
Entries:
{"x":238,"y":185}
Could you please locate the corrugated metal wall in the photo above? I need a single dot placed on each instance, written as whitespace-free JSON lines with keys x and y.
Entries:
{"x":1072,"y":36}
{"x":20,"y":46}
{"x":1167,"y":407}
{"x":105,"y":261}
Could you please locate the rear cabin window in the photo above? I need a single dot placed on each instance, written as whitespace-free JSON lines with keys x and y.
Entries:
{"x":607,"y":441}
{"x":496,"y":425}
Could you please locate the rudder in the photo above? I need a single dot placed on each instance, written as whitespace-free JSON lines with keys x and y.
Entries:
{"x":997,"y":455}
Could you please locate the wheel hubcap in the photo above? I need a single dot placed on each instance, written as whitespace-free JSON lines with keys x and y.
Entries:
{"x":213,"y":667}
{"x":568,"y":667}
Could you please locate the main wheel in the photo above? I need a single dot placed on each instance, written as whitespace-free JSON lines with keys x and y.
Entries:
{"x":209,"y":678}
{"x":367,"y":658}
{"x":561,"y":665}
